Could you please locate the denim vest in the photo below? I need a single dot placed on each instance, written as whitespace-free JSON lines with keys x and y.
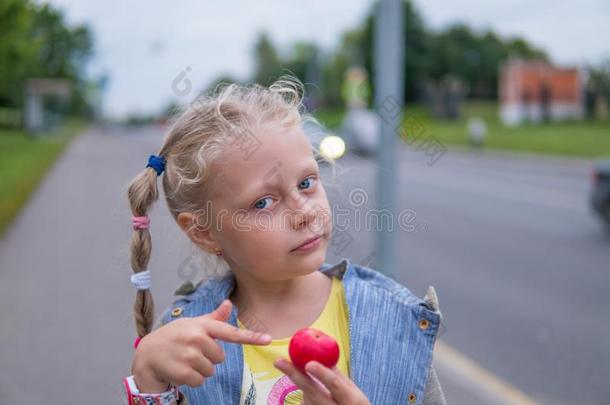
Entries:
{"x":392,"y":335}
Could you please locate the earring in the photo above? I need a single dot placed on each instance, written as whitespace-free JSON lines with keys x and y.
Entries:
{"x":218,"y":252}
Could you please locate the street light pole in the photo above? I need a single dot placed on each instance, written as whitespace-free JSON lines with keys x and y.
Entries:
{"x":389,"y":94}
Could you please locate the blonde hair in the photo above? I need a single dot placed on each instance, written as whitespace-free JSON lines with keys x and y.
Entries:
{"x":196,"y":138}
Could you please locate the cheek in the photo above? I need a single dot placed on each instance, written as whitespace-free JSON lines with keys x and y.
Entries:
{"x":265,"y":234}
{"x":266,"y":248}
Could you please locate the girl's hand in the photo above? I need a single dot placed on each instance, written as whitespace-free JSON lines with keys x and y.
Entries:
{"x":185,"y":351}
{"x":335,"y":388}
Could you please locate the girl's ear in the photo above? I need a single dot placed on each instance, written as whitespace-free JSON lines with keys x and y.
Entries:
{"x":201,"y":237}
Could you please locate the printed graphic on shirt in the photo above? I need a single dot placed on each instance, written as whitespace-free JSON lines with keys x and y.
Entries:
{"x":280,"y":390}
{"x":263,"y":384}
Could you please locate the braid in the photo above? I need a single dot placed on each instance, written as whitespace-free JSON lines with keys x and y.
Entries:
{"x":142,"y":193}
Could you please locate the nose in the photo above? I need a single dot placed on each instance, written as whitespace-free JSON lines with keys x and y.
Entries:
{"x":301,"y":218}
{"x":300,"y":210}
{"x":306,"y":214}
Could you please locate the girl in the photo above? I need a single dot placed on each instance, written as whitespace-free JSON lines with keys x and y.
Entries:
{"x":241,"y":179}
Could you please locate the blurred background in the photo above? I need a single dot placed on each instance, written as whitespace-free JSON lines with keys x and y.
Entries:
{"x":501,"y":175}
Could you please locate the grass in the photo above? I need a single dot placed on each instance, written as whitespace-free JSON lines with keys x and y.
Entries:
{"x":588,"y":139}
{"x":25,"y":160}
{"x":330,"y":117}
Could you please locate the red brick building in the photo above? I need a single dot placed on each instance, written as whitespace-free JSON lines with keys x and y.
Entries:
{"x":535,"y":91}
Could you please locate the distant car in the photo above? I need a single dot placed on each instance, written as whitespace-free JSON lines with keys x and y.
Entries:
{"x":361,"y":129}
{"x":600,"y":195}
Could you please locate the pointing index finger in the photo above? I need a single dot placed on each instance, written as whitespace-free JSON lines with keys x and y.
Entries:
{"x":229,"y":333}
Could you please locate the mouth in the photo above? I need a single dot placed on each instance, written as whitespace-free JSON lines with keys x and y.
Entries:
{"x":308,"y":242}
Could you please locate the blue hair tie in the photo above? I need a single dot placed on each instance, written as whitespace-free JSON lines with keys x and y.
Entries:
{"x":157,"y":163}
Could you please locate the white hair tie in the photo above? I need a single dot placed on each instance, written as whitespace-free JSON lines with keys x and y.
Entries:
{"x":141,"y":280}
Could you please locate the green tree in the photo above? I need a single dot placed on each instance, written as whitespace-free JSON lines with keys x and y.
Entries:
{"x":457,"y":50}
{"x":62,"y":53}
{"x":333,"y":72}
{"x":16,"y":50}
{"x":35,"y":41}
{"x":267,"y":62}
{"x":299,"y":59}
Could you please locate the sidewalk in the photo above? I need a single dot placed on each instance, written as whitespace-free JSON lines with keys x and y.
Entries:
{"x":67,"y":328}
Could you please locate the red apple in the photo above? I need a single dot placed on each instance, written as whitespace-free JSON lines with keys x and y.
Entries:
{"x":310,"y":344}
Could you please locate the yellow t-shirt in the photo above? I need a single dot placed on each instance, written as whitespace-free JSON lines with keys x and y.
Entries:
{"x":264,"y":384}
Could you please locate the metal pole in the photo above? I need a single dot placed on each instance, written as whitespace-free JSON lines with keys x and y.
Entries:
{"x":389,"y":94}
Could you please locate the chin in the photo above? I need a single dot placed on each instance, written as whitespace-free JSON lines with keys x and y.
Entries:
{"x":310,"y":262}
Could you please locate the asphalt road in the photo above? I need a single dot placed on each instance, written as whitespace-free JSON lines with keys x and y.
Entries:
{"x":519,"y":263}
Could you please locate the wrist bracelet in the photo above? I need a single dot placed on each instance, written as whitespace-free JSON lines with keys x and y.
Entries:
{"x":135,"y":397}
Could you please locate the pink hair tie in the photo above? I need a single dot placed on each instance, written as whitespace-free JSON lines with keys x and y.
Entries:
{"x":140,"y":222}
{"x":136,"y":342}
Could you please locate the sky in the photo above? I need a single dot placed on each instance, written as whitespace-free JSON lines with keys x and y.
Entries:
{"x":148,"y":47}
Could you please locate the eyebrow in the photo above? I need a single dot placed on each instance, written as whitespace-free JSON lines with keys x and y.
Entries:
{"x":272,"y":183}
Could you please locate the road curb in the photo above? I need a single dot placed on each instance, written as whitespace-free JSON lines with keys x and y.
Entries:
{"x":528,"y":156}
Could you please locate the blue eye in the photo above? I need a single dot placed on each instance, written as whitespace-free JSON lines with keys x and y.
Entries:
{"x":308,"y":180}
{"x":258,"y":206}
